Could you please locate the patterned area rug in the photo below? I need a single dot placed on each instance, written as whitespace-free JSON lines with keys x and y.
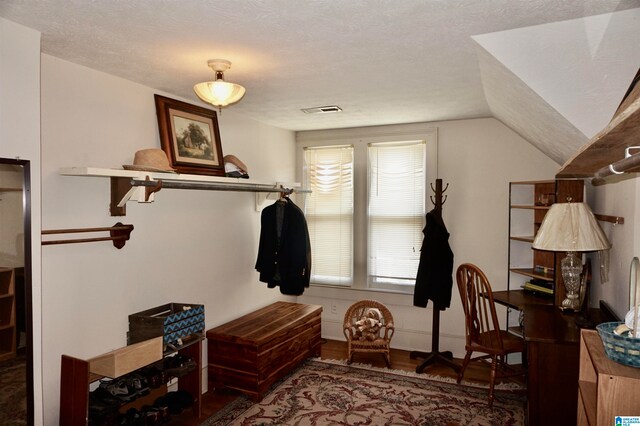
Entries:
{"x":13,"y":392}
{"x":327,"y":393}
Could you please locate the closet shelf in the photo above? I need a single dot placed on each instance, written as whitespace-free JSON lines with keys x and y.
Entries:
{"x":608,"y":147}
{"x":141,"y":186}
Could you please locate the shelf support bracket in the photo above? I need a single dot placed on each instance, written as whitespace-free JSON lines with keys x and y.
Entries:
{"x":150,"y":190}
{"x":120,"y":189}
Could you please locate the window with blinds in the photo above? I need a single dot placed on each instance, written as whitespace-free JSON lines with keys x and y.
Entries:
{"x":329,"y":213}
{"x":396,"y":188}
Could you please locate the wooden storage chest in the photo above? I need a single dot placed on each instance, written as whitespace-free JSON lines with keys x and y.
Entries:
{"x":251,"y":352}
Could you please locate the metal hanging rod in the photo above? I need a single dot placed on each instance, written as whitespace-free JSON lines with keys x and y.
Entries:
{"x":118,"y":233}
{"x":214,"y":186}
{"x":629,"y":162}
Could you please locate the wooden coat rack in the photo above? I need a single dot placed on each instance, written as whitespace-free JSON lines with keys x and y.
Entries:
{"x":435,"y":356}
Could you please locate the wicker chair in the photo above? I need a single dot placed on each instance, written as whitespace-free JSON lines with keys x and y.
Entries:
{"x":376,"y":339}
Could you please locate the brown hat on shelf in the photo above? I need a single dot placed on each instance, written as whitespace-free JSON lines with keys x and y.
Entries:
{"x":150,"y":160}
{"x":233,"y":167}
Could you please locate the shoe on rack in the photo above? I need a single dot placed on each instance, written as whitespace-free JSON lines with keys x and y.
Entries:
{"x":103,"y":396}
{"x":179,"y":365}
{"x":119,"y":388}
{"x":161,"y":405}
{"x":132,"y":417}
{"x":155,"y":377}
{"x":184,"y":398}
{"x":103,"y":407}
{"x":177,"y":401}
{"x":172,"y":403}
{"x":139,"y":384}
{"x":154,"y":416}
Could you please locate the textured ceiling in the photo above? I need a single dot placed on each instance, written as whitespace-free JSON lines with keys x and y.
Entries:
{"x":381,"y":61}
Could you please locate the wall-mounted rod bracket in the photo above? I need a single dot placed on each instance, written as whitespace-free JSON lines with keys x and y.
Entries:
{"x":630,"y":163}
{"x":150,"y":190}
{"x":118,"y":233}
{"x":616,"y":220}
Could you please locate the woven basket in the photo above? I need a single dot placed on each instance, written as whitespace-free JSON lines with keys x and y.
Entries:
{"x":624,"y":350}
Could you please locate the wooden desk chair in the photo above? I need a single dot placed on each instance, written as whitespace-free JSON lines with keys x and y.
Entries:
{"x":373,"y":336}
{"x":482,"y":329}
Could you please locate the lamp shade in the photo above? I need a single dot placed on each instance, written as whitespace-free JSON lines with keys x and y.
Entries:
{"x":570,"y":227}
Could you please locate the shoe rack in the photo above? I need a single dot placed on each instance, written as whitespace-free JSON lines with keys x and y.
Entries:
{"x":77,"y":375}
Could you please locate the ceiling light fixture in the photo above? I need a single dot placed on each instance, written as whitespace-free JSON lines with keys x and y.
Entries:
{"x":219,"y":93}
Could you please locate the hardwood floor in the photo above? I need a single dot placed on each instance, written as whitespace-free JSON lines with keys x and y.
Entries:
{"x":215,"y":400}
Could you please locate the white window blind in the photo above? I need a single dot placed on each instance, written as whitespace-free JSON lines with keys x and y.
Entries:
{"x":395,"y":213}
{"x":329,"y":213}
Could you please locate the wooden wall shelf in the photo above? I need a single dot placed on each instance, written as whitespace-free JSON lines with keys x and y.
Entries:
{"x":609,"y":145}
{"x":141,"y":186}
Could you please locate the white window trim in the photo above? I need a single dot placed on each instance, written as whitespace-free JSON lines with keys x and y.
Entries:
{"x":360,"y":138}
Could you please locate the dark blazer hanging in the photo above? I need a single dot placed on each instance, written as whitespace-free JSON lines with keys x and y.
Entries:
{"x":284,"y":253}
{"x":434,"y":279}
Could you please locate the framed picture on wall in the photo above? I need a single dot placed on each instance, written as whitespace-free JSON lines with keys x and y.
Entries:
{"x":190,"y":137}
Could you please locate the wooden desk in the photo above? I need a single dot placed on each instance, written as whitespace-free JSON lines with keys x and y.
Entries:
{"x":517,"y":299}
{"x":553,"y":355}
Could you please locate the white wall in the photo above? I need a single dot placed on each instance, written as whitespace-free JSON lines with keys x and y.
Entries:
{"x":20,"y":138}
{"x":477,"y":158}
{"x":621,"y":198}
{"x":187,"y":246}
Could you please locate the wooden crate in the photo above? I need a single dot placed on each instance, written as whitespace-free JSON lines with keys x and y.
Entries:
{"x":252,"y":352}
{"x":172,"y":321}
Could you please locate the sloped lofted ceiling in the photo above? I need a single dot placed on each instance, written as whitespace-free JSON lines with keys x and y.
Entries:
{"x":554,"y":71}
{"x":559,"y":84}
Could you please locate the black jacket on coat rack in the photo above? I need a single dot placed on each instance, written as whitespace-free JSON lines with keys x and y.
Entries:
{"x":284,"y":253}
{"x":434,"y":279}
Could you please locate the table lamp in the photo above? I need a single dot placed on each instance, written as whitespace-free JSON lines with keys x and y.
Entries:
{"x":570,"y":227}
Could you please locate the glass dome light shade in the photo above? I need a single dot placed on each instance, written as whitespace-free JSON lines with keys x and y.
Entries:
{"x":219,"y":92}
